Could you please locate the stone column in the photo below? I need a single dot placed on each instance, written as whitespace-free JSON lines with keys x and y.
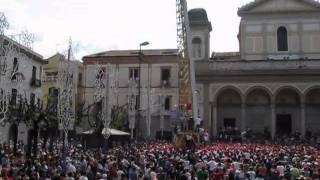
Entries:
{"x":211,"y":119}
{"x":300,"y":33}
{"x":214,"y":119}
{"x":273,"y":120}
{"x":243,"y":116}
{"x":303,"y":119}
{"x":264,"y":39}
{"x":206,"y":106}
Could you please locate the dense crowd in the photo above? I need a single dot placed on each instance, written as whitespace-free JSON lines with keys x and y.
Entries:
{"x":162,"y":161}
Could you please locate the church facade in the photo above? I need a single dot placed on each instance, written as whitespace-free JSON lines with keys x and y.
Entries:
{"x":273,"y":83}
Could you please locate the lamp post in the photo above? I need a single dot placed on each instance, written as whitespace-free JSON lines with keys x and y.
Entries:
{"x":139,"y":86}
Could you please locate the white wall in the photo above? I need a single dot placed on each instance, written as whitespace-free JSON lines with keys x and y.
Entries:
{"x":259,"y":37}
{"x":24,"y":88}
{"x":148,"y":71}
{"x":25,"y":67}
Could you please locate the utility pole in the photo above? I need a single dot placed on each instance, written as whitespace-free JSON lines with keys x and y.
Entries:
{"x":148,"y":118}
{"x":139,"y":89}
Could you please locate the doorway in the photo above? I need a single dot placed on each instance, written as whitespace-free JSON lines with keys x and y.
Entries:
{"x":13,"y":133}
{"x":229,"y":122}
{"x":284,"y":124}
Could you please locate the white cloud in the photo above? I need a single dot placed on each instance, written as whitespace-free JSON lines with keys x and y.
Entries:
{"x":99,"y":25}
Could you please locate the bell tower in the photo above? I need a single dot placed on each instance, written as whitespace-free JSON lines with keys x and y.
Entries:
{"x":200,"y":28}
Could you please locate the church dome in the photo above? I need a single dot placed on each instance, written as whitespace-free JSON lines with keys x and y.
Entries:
{"x":198,"y":14}
{"x":198,"y":17}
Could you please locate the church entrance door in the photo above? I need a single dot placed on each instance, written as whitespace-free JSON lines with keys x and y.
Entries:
{"x":284,"y":124}
{"x":229,"y":122}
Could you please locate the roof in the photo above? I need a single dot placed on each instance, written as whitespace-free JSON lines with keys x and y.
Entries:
{"x":199,"y":17}
{"x":198,"y":14}
{"x":114,"y":132}
{"x":255,"y":3}
{"x":61,"y":57}
{"x":127,"y":53}
{"x":29,"y":52}
{"x":57,"y":55}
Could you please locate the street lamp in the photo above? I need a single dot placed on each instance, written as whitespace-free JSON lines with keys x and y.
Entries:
{"x":139,"y":85}
{"x":144,"y":44}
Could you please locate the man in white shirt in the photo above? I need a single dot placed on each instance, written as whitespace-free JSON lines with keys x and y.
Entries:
{"x":281,"y":169}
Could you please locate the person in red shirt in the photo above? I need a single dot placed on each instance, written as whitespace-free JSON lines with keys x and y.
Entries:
{"x":274,"y":172}
{"x":217,"y":174}
{"x":262,"y":171}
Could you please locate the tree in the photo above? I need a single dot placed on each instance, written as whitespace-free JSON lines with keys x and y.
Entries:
{"x":51,"y":122}
{"x":119,"y":115}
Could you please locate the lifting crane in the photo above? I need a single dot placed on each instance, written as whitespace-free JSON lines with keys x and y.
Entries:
{"x":187,"y":96}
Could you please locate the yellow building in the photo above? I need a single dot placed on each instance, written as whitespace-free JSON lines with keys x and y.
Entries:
{"x":50,"y":79}
{"x":50,"y":85}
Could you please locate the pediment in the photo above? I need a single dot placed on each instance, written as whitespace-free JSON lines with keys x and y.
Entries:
{"x":274,"y":6}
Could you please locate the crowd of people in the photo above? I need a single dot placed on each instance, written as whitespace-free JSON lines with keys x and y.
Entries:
{"x":234,"y":134}
{"x":162,"y":161}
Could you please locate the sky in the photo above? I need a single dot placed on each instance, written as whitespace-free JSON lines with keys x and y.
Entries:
{"x":101,"y":25}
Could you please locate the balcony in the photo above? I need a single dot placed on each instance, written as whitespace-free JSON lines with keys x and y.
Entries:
{"x":35,"y":82}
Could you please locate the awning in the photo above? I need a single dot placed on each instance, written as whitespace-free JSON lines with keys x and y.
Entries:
{"x":114,"y":132}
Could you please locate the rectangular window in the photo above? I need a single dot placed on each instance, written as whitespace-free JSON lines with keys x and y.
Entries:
{"x":165,"y":74}
{"x":167,"y":103}
{"x":32,"y":99}
{"x":133,"y":73}
{"x":49,"y":77}
{"x":34,"y":72}
{"x":53,"y":92}
{"x":53,"y":76}
{"x":80,"y":79}
{"x":39,"y":102}
{"x":137,"y":102}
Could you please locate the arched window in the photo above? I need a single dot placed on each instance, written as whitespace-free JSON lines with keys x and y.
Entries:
{"x":282,"y":37}
{"x":196,"y":47}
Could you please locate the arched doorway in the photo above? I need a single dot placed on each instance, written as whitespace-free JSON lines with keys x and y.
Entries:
{"x":312,"y":105}
{"x":229,"y":109}
{"x":258,"y":110}
{"x":288,"y":111}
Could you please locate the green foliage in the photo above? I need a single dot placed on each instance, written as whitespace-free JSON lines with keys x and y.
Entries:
{"x":119,"y":115}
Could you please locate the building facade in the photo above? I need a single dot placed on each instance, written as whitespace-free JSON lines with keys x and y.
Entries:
{"x":51,"y":86}
{"x":21,"y":70}
{"x":158,"y":69}
{"x":272,"y":84}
